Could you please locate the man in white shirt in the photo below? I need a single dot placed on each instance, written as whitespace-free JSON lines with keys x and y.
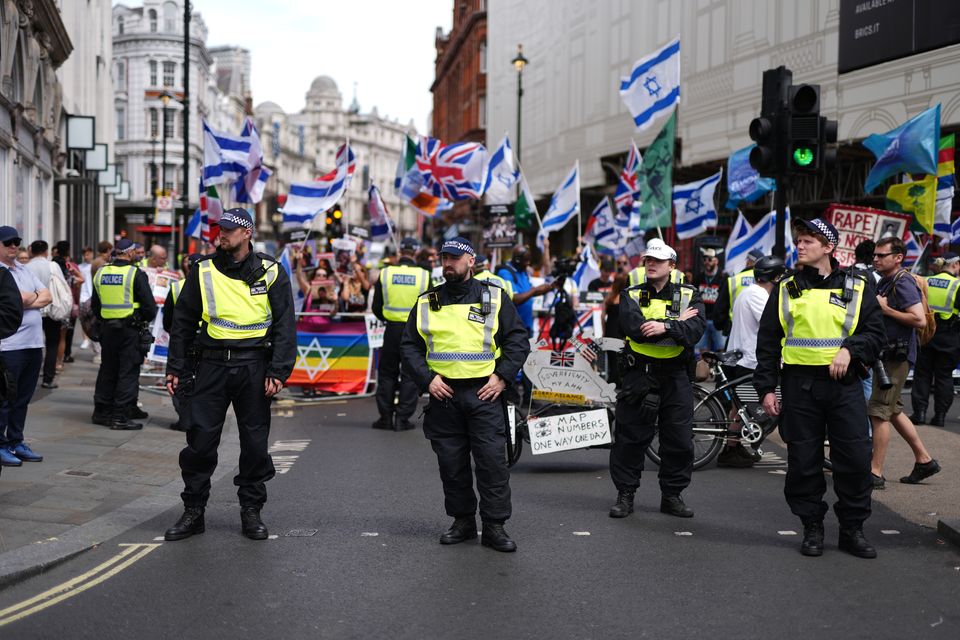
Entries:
{"x":747,"y":310}
{"x":44,"y":270}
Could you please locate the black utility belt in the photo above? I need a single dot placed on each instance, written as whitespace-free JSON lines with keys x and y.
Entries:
{"x":120,"y":323}
{"x":231,"y":355}
{"x":631,"y":361}
{"x":466,"y":382}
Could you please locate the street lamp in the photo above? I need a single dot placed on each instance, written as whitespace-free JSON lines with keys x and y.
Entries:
{"x":165,"y":97}
{"x":153,"y":172}
{"x":519,"y":62}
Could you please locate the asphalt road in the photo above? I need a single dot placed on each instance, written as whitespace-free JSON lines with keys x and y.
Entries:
{"x":356,"y":518}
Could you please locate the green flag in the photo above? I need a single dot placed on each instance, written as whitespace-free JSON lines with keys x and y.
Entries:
{"x":525,"y":210}
{"x":656,"y":178}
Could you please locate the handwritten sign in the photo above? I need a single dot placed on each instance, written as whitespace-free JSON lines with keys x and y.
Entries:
{"x":567,"y":373}
{"x":375,"y":331}
{"x":558,"y":398}
{"x":569,"y":431}
{"x":856,"y":224}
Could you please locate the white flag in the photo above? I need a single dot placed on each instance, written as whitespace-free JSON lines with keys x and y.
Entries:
{"x":653,"y":86}
{"x":564,"y":205}
{"x":501,"y":175}
{"x":694,"y":205}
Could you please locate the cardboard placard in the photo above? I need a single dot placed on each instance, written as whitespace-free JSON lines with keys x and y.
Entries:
{"x":856,"y":224}
{"x":569,"y":431}
{"x":375,"y":331}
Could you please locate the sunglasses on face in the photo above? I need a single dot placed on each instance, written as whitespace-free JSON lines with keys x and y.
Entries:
{"x":15,"y":242}
{"x":883,"y":255}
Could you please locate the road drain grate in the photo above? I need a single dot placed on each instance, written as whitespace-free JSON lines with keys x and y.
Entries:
{"x":301,"y":533}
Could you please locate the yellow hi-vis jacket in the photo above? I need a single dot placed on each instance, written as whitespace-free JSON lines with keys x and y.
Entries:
{"x":232,"y":309}
{"x":658,"y":309}
{"x":401,"y":286}
{"x":175,"y":287}
{"x":942,"y":294}
{"x":460,"y":339}
{"x":488,"y":276}
{"x":736,"y":284}
{"x":816,"y":323}
{"x":114,"y":285}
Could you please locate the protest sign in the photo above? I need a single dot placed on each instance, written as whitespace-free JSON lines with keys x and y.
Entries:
{"x":856,"y":224}
{"x":569,"y":431}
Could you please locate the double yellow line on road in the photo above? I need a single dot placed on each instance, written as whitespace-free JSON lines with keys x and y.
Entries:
{"x":130,"y":554}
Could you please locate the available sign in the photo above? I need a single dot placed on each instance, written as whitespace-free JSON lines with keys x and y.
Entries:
{"x":856,"y":224}
{"x":569,"y":431}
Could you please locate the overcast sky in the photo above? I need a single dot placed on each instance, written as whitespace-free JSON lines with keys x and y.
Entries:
{"x":385,"y":46}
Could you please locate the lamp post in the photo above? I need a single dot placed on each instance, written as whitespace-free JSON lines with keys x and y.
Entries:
{"x":519,"y":62}
{"x":165,"y":98}
{"x":153,"y":172}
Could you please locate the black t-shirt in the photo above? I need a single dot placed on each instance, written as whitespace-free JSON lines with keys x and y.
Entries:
{"x":599,"y":284}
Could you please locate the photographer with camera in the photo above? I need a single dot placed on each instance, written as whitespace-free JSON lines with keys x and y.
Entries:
{"x":900,"y":299}
{"x":123,"y":300}
{"x":515,"y":272}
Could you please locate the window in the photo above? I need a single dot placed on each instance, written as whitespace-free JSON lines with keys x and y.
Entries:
{"x":152,"y":15}
{"x":153,"y":73}
{"x":169,"y":16}
{"x":154,"y":123}
{"x":169,"y":73}
{"x":121,"y":76}
{"x":483,"y":57}
{"x":153,"y":177}
{"x":121,"y":123}
{"x":120,"y":25}
{"x":483,"y":111}
{"x":168,"y":118}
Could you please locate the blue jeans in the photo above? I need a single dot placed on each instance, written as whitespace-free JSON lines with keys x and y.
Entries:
{"x":25,"y":365}
{"x":712,"y":340}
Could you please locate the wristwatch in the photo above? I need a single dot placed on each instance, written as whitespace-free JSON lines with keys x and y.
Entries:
{"x":667,"y":325}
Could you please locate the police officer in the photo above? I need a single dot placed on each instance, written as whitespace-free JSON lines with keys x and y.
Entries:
{"x":825,"y":324}
{"x":481,"y":271}
{"x":124,"y":302}
{"x":169,"y":307}
{"x":638,"y":275}
{"x":394,"y":295}
{"x":735,"y":286}
{"x":464,"y":343}
{"x":242,"y":354}
{"x":937,"y":359}
{"x":662,"y":321}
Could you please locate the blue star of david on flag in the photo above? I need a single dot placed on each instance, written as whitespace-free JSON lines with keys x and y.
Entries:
{"x":652,"y":86}
{"x":694,"y":205}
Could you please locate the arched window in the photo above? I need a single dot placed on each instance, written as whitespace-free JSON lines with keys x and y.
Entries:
{"x":483,"y":56}
{"x":120,"y":25}
{"x":152,"y":16}
{"x":18,"y":75}
{"x":169,"y":16}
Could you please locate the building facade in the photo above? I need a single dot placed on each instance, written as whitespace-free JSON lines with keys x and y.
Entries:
{"x":34,"y":43}
{"x":460,"y":91}
{"x":148,"y":62}
{"x":299,"y":147}
{"x":579,"y":51}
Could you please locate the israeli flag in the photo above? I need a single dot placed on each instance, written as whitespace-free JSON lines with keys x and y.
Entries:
{"x":653,"y":87}
{"x":564,"y":205}
{"x":307,"y":199}
{"x":955,"y":232}
{"x":602,"y":229}
{"x":501,"y":175}
{"x":763,"y":236}
{"x":588,"y":270}
{"x":693,"y":203}
{"x":226,"y":158}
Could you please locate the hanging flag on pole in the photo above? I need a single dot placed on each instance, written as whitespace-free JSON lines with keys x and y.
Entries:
{"x":381,"y":226}
{"x":588,"y":270}
{"x":564,"y":206}
{"x":910,"y":148}
{"x":307,"y":199}
{"x":744,"y":183}
{"x":525,"y":209}
{"x":456,"y":171}
{"x":918,"y":198}
{"x":653,"y":86}
{"x":763,"y":236}
{"x":501,"y":175}
{"x":946,"y":184}
{"x":693,"y":202}
{"x":250,"y":186}
{"x":656,"y":193}
{"x":409,"y":184}
{"x":602,"y":230}
{"x":226,"y":158}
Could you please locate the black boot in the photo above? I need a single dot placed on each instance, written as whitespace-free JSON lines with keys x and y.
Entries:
{"x":137,"y":413}
{"x":461,"y":530}
{"x":404,"y":424}
{"x":937,"y":420}
{"x":812,"y":544}
{"x":190,"y":523}
{"x":496,"y":537}
{"x":623,"y":506}
{"x":251,"y":524}
{"x":919,"y":417}
{"x":383,"y":423}
{"x":123,"y":423}
{"x":853,"y":542}
{"x":674,"y":506}
{"x":102,"y":419}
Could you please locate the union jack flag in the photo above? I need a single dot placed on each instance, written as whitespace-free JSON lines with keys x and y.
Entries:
{"x":562,"y":358}
{"x":351,"y":164}
{"x":456,"y":171}
{"x":628,"y":187}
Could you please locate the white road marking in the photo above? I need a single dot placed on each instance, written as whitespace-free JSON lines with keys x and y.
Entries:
{"x":283,"y":464}
{"x":683,"y":533}
{"x":889,"y":532}
{"x":272,"y":536}
{"x":369,"y":534}
{"x":158,"y":539}
{"x":787,"y":533}
{"x":581,"y":533}
{"x":778,"y":472}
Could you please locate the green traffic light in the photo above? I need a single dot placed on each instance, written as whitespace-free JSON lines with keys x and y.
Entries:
{"x":803,"y":156}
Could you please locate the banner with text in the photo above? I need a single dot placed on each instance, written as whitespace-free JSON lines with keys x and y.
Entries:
{"x":857,"y":224}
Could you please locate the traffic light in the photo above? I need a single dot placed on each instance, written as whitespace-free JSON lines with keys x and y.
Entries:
{"x":805,"y":150}
{"x":769,"y":130}
{"x":335,"y":222}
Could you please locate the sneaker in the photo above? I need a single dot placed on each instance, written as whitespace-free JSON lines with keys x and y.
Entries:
{"x":7,"y":459}
{"x":85,"y":344}
{"x":25,"y":453}
{"x":879,"y":482}
{"x":921,"y":472}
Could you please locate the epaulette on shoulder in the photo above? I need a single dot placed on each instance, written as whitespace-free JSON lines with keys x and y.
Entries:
{"x":209,"y":256}
{"x":635,"y":287}
{"x":267,"y":257}
{"x":430,"y":290}
{"x":490,"y":283}
{"x":684,"y":285}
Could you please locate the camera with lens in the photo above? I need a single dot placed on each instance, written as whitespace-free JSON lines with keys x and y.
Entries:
{"x":896,"y":351}
{"x":564,"y":268}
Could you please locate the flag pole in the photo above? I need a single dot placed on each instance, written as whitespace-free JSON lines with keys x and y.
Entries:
{"x":579,"y":221}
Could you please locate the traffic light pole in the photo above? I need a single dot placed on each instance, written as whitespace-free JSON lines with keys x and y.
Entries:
{"x":780,"y":204}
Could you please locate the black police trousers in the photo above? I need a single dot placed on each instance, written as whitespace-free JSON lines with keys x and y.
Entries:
{"x":118,"y":380}
{"x":815,"y":408}
{"x":934,"y":365}
{"x":217,"y":386}
{"x":466,"y":425}
{"x":674,"y":426}
{"x":390,"y":377}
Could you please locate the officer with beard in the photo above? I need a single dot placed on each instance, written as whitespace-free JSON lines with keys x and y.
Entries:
{"x":464,"y":343}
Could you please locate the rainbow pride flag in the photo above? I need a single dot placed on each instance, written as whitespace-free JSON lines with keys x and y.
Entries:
{"x":334,"y":358}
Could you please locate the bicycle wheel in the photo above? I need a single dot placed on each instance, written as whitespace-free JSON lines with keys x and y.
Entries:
{"x":514,"y":449}
{"x":707,"y":412}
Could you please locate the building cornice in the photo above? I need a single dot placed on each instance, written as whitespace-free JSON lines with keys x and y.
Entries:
{"x":50,"y":31}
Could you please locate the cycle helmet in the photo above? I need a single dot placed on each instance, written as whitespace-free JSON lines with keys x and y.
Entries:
{"x":769,"y":269}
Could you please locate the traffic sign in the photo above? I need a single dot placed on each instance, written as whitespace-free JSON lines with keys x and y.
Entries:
{"x":165,"y":203}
